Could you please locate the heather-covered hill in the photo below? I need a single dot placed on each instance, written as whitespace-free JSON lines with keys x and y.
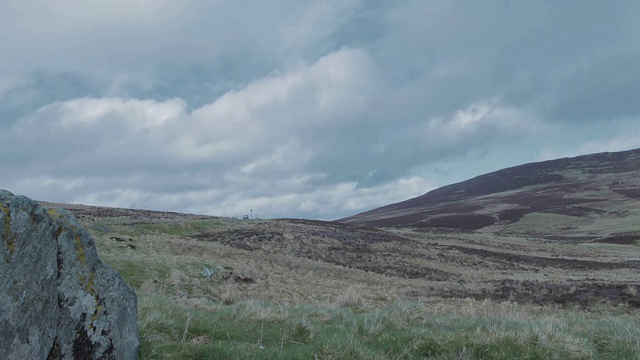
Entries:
{"x":586,"y":198}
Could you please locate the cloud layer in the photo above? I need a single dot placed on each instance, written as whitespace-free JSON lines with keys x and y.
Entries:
{"x":302,"y":108}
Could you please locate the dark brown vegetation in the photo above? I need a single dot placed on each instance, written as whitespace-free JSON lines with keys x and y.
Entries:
{"x":462,"y":265}
{"x":569,"y":293}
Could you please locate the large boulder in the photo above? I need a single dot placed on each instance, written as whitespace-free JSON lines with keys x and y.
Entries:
{"x":58,"y":300}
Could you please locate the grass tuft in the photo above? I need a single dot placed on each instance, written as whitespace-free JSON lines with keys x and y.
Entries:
{"x":351,"y":298}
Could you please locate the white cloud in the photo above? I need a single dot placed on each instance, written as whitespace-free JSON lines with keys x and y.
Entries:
{"x":250,"y":144}
{"x":134,"y":115}
{"x":295,"y":196}
{"x":332,"y":90}
{"x":325,"y":202}
{"x":284,"y":158}
{"x":240,"y":124}
{"x":483,"y":119}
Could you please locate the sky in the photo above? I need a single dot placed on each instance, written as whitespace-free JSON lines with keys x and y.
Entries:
{"x":300,"y":108}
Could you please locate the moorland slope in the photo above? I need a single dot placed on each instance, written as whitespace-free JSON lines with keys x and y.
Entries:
{"x":591,"y":198}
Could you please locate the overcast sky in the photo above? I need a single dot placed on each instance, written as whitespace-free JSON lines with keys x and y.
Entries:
{"x":299,"y":108}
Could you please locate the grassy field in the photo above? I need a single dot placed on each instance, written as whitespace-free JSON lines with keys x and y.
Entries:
{"x":346,"y":329}
{"x":214,"y":288}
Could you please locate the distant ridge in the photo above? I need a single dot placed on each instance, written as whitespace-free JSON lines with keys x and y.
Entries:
{"x":585,"y":197}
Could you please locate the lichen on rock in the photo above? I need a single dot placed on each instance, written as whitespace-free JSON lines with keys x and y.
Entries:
{"x":58,"y":300}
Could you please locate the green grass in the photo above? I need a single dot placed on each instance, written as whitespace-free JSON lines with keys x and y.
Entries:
{"x":404,"y":330}
{"x":177,"y":229}
{"x":547,"y":221}
{"x":132,"y":227}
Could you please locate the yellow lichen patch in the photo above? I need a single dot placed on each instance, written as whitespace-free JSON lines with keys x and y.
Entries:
{"x":96,"y":313}
{"x":11,"y":241}
{"x":53,"y":213}
{"x":5,"y":210}
{"x":89,"y":283}
{"x":90,"y":287}
{"x":80,"y":250}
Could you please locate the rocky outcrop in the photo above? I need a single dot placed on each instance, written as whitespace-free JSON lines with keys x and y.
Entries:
{"x":58,"y":300}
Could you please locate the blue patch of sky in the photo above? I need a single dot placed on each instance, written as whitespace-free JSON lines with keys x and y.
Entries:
{"x":41,"y":89}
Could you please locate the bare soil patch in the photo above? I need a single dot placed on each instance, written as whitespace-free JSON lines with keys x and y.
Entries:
{"x":539,"y":261}
{"x":620,"y":239}
{"x":564,"y":294}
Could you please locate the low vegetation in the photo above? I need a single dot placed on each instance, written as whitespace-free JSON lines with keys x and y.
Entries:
{"x":252,"y":329}
{"x":211,"y":288}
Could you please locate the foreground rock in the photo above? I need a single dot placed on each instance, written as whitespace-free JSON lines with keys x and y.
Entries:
{"x":58,"y":300}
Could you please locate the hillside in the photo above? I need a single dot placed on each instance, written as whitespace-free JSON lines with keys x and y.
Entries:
{"x":586,"y":198}
{"x":216,"y":288}
{"x":409,"y":263}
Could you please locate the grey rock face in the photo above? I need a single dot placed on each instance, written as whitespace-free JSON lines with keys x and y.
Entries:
{"x":58,"y":300}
